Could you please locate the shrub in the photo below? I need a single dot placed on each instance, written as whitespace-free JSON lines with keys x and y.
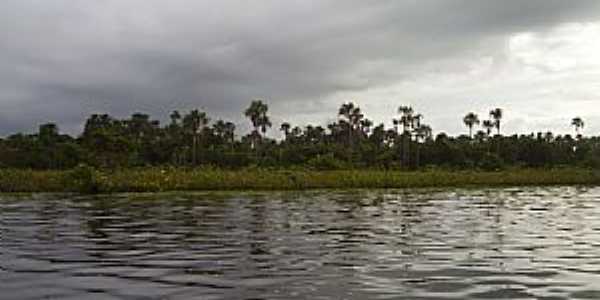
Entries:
{"x":83,"y":178}
{"x":491,"y":162}
{"x":325,"y":162}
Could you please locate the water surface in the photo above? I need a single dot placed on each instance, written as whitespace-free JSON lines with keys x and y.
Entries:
{"x":531,"y":243}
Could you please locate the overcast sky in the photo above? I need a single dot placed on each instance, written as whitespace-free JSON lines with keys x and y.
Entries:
{"x":61,"y":60}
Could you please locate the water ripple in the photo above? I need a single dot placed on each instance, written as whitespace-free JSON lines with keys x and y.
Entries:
{"x":525,"y":243}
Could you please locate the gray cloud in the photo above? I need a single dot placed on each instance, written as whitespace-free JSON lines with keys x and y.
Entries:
{"x":61,"y":60}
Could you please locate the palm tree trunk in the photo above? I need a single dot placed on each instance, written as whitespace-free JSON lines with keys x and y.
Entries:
{"x":406,"y":150}
{"x":194,"y":149}
{"x":418,"y":158}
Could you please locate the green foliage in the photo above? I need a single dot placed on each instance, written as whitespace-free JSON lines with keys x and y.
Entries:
{"x":325,"y":162}
{"x":192,"y":140}
{"x":491,"y":162}
{"x":12,"y":180}
{"x":83,"y":178}
{"x":86,"y":179}
{"x":592,"y":159}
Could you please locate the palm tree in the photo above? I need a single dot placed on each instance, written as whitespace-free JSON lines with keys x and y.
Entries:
{"x":416,"y":121}
{"x":365,"y":126}
{"x":422,"y":133}
{"x":352,"y":118}
{"x":406,"y":118}
{"x":346,"y":110}
{"x":396,"y":123}
{"x":407,"y":121}
{"x":230,"y":132}
{"x":224,"y":131}
{"x":578,"y":123}
{"x":193,"y":124}
{"x":174,"y":133}
{"x":257,"y":113}
{"x":296,"y":131}
{"x":175,"y":117}
{"x":471,"y":119}
{"x":488,"y":125}
{"x":285,"y":127}
{"x":496,"y":115}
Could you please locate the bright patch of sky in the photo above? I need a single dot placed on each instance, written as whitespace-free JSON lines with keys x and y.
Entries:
{"x":541,"y":79}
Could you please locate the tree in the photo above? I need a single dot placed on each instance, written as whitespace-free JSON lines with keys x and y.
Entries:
{"x":578,"y":123}
{"x":48,"y":138}
{"x":175,"y":117}
{"x":285,"y":128}
{"x":407,"y":121}
{"x":257,"y":113}
{"x":48,"y":133}
{"x":496,"y":115}
{"x":488,"y":125}
{"x":365,"y":126}
{"x":139,"y":140}
{"x":106,"y":141}
{"x":194,"y":124}
{"x":471,"y":119}
{"x":422,"y":133}
{"x":223,"y":131}
{"x":352,"y":119}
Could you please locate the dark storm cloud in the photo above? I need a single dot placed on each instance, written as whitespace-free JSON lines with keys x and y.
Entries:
{"x":61,"y":60}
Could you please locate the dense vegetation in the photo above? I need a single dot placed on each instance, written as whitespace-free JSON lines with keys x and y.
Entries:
{"x":352,"y":142}
{"x":87,"y":179}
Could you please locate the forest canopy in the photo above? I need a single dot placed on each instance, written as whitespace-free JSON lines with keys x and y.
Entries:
{"x":193,"y":139}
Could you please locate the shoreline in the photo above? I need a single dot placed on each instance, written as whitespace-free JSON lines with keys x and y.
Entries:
{"x":89,"y":180}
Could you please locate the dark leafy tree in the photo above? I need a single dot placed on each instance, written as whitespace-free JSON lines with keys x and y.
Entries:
{"x":496,"y":115}
{"x":352,"y":141}
{"x":257,"y":113}
{"x":471,"y":119}
{"x":578,"y":123}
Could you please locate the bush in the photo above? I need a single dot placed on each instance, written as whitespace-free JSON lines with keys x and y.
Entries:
{"x":491,"y":162}
{"x":592,"y":159}
{"x":325,"y":162}
{"x":83,"y":178}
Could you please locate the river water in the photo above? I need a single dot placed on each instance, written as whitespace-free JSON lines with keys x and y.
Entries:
{"x":513,"y":243}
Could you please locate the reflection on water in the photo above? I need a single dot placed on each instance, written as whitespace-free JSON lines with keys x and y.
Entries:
{"x":533,"y":243}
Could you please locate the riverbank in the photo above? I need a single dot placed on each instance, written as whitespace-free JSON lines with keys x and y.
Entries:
{"x":157,"y":180}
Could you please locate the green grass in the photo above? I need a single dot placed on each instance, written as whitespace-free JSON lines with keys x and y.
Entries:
{"x":155,"y":179}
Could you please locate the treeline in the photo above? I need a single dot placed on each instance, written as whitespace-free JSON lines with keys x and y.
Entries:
{"x":353,"y":141}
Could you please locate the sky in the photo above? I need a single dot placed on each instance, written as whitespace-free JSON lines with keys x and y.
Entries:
{"x":539,"y":60}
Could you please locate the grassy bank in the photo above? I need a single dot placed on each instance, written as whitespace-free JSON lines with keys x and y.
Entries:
{"x":155,"y":179}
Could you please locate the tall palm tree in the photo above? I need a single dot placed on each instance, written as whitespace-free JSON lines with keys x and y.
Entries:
{"x":578,"y":123}
{"x":406,"y":117}
{"x":174,"y":133}
{"x":193,"y":124}
{"x":496,"y":115}
{"x":257,"y":113}
{"x":407,"y":121}
{"x":352,"y":116}
{"x":471,"y":119}
{"x":422,"y":133}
